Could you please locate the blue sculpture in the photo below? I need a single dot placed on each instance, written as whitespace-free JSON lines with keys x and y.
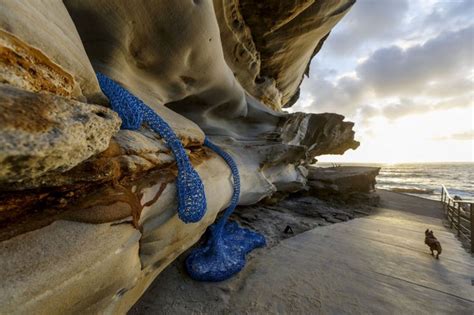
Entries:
{"x":223,"y":255}
{"x":133,"y":112}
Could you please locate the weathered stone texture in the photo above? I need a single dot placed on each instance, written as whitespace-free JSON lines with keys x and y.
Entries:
{"x":101,"y":202}
{"x":269,"y":44}
{"x":40,"y":133}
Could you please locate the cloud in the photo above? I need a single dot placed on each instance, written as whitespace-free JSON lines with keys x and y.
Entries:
{"x":436,"y":75}
{"x":461,"y":101}
{"x":390,"y":60}
{"x":455,"y":86}
{"x":409,"y":107}
{"x":461,"y":136}
{"x":405,"y":108}
{"x":392,"y":70}
{"x":392,"y":112}
{"x":368,"y":20}
{"x":324,"y":95}
{"x":448,"y":15}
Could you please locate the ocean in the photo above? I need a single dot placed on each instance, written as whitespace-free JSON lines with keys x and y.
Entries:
{"x":424,"y":179}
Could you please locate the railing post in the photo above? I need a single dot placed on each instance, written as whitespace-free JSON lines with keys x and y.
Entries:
{"x":450,"y":218}
{"x":459,"y":219}
{"x":472,"y":229}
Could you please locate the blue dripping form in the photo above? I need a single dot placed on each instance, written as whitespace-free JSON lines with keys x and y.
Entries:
{"x":223,"y":255}
{"x":133,"y":112}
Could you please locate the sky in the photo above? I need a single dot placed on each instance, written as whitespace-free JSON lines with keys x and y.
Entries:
{"x":403,"y":71}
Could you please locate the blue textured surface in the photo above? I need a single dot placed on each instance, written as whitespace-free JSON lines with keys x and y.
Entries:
{"x":133,"y":112}
{"x":223,"y":255}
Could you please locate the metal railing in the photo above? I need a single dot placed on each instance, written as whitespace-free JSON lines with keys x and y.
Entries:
{"x":460,"y":215}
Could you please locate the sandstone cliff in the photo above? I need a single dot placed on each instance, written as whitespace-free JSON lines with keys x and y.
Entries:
{"x":87,"y":211}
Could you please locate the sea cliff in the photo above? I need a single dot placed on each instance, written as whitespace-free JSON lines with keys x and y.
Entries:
{"x":88,"y":210}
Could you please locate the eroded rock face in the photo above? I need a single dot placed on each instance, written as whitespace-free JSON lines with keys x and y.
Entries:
{"x":47,"y":29}
{"x":269,"y":44}
{"x":64,"y":160}
{"x":319,"y":133}
{"x":28,"y":68}
{"x":40,"y":133}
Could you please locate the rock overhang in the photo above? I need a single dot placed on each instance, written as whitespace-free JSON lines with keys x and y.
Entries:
{"x":203,"y":73}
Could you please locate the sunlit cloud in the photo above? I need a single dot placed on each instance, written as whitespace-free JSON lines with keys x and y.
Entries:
{"x":461,"y":136}
{"x":416,"y":66}
{"x":415,"y":138}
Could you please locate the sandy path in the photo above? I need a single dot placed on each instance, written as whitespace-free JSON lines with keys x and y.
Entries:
{"x":376,"y":264}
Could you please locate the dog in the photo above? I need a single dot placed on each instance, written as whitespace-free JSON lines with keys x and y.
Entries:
{"x":433,"y":243}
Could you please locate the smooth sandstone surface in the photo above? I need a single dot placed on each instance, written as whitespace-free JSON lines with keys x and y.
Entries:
{"x":79,"y":267}
{"x":161,"y":57}
{"x":84,"y":180}
{"x":46,"y":26}
{"x":68,"y":267}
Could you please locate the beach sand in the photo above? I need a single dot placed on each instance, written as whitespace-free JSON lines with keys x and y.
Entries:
{"x":373,"y":264}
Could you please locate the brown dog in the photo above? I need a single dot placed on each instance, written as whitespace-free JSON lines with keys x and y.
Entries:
{"x":433,"y":243}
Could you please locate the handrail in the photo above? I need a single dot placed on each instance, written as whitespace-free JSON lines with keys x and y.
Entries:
{"x":455,"y":213}
{"x":443,"y":188}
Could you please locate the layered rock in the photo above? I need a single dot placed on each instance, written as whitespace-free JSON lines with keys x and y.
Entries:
{"x":101,"y":202}
{"x":269,"y":44}
{"x":44,"y":37}
{"x":43,"y":133}
{"x":341,"y":181}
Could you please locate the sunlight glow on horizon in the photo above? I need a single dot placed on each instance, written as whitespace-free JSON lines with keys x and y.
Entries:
{"x":407,"y":84}
{"x":414,"y":138}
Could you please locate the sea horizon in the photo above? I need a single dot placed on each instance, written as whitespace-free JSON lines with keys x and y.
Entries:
{"x":392,"y":163}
